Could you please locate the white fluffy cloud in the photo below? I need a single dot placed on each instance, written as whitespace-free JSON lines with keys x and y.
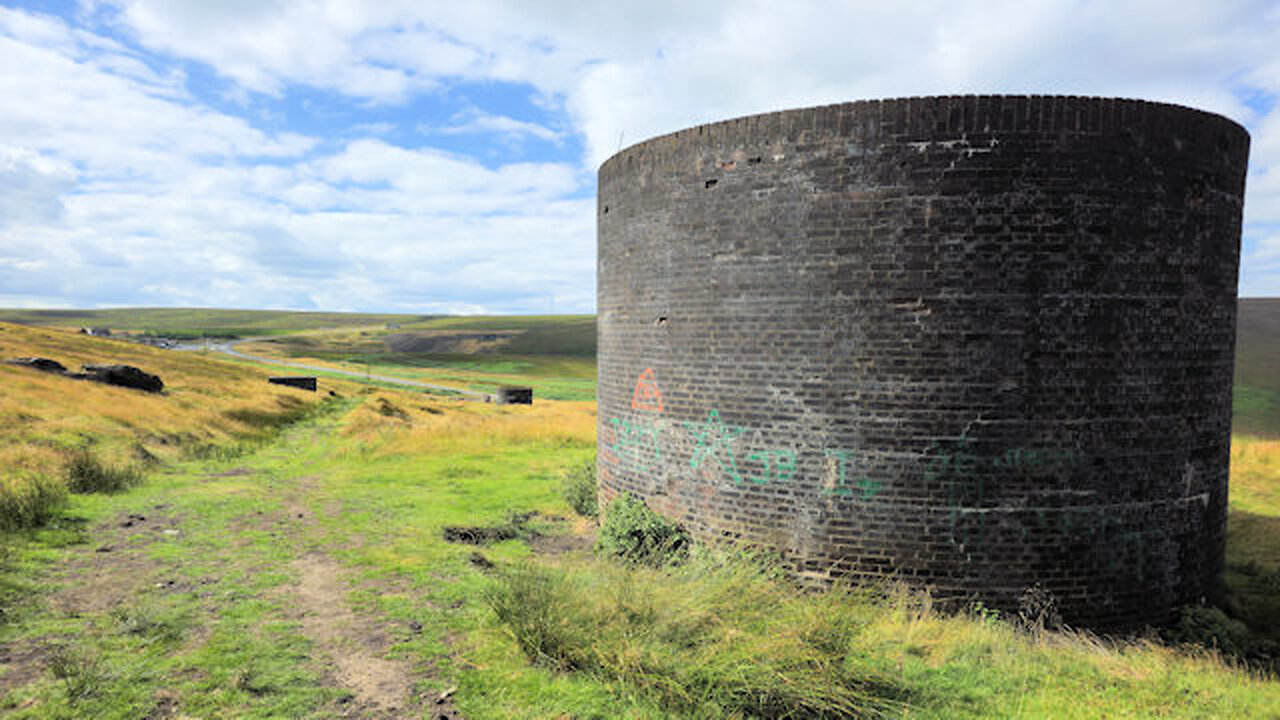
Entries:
{"x":118,"y":185}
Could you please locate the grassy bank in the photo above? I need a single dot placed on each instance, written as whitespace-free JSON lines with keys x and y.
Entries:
{"x":59,"y":434}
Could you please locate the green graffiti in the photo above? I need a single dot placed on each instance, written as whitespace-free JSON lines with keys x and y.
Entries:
{"x":863,"y":487}
{"x":633,"y":442}
{"x":778,"y":466}
{"x":715,"y":443}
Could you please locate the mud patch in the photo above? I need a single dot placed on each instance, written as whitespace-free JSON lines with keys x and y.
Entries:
{"x":380,"y":688}
{"x":21,"y":665}
{"x":118,"y":567}
{"x":517,"y":526}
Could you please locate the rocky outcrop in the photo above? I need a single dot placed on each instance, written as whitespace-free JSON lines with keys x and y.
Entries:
{"x":119,"y":375}
{"x":123,"y":376}
{"x":39,"y":363}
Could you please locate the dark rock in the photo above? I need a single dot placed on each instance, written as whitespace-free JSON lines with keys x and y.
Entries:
{"x":303,"y":383}
{"x":123,"y":376}
{"x":515,"y":396}
{"x":39,"y":363}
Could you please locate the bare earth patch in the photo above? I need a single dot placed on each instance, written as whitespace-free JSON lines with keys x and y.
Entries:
{"x":382,"y":688}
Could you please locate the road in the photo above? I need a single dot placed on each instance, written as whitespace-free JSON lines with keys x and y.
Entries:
{"x":230,"y":349}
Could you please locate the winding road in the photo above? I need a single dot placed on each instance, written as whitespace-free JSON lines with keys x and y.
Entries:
{"x":229,"y":348}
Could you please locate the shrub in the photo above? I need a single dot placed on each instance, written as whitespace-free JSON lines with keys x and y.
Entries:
{"x":87,"y":474}
{"x":634,"y":533}
{"x":579,"y":489}
{"x":29,"y":499}
{"x":1210,"y":627}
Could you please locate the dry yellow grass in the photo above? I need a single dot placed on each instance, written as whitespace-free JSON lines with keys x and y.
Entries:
{"x":403,"y":423}
{"x":205,"y":402}
{"x":1255,"y":475}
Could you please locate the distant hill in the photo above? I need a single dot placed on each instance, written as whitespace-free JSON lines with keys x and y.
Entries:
{"x":1257,"y":378}
{"x":1257,"y":387}
{"x":200,"y":322}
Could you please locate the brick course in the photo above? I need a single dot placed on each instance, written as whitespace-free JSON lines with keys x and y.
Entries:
{"x":976,"y":343}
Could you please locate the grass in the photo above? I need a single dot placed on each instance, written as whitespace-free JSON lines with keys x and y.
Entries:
{"x":91,"y":437}
{"x":538,"y":353}
{"x":194,"y":610}
{"x":723,"y":636}
{"x":87,"y":474}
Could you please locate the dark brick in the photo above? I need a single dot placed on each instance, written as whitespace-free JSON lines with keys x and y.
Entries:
{"x":976,"y":343}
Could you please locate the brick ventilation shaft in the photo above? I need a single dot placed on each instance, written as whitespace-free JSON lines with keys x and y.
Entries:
{"x":974,"y":343}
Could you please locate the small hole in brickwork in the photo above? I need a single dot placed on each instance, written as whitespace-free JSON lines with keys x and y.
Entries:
{"x":755,"y":160}
{"x":711,"y":183}
{"x":662,"y":320}
{"x":605,"y":211}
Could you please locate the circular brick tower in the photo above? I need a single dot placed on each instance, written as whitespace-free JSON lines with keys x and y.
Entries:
{"x":978,"y":344}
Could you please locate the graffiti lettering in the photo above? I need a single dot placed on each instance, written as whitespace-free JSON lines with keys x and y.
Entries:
{"x":647,"y":395}
{"x":778,"y":466}
{"x":838,"y":478}
{"x":633,"y":442}
{"x":715,"y":443}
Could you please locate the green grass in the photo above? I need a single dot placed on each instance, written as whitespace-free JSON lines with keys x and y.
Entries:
{"x":203,"y":621}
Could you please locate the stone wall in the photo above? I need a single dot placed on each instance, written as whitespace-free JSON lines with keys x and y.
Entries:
{"x":975,"y":343}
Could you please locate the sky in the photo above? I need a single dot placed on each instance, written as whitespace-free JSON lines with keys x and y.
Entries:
{"x":440,"y":157}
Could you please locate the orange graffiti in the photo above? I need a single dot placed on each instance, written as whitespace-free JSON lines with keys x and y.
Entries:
{"x":647,"y":396}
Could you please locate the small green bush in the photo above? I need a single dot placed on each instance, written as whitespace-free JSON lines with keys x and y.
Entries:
{"x":579,"y":489}
{"x":87,"y":474}
{"x":634,"y":533}
{"x":29,"y":500}
{"x":1210,"y":627}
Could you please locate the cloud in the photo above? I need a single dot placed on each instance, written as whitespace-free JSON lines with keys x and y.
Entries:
{"x":119,"y":184}
{"x":119,"y":187}
{"x":514,"y":131}
{"x":31,"y":185}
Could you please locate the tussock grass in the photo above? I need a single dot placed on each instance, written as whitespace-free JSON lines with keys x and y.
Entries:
{"x":727,"y":635}
{"x":87,"y":474}
{"x":29,"y":495}
{"x":719,"y":638}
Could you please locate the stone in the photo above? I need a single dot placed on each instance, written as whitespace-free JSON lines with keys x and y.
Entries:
{"x":39,"y":363}
{"x":122,"y":376}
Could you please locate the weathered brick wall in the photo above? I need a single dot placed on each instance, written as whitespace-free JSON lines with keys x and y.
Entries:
{"x":976,"y":343}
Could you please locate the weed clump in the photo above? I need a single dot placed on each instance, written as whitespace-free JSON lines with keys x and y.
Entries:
{"x":634,"y":533}
{"x":81,"y":669}
{"x":29,"y":499}
{"x":579,"y":489}
{"x":87,"y":474}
